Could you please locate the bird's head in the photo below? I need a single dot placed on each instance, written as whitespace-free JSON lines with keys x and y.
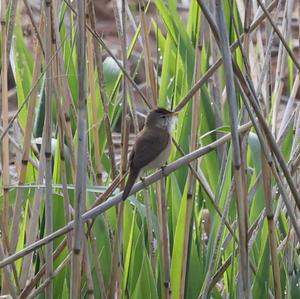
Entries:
{"x":161,"y":118}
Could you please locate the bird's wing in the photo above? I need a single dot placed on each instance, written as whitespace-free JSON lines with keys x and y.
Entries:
{"x":147,"y":148}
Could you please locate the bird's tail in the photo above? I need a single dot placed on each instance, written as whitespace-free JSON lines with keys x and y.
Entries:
{"x":130,"y":182}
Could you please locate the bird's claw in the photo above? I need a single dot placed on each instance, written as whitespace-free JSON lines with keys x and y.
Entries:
{"x":163,"y":169}
{"x":143,"y":180}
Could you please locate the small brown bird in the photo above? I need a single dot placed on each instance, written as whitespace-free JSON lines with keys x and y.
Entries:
{"x":152,"y":146}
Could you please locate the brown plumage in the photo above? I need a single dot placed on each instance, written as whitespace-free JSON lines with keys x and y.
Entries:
{"x":152,"y":146}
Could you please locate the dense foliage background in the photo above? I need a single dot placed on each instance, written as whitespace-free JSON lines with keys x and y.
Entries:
{"x":221,"y":222}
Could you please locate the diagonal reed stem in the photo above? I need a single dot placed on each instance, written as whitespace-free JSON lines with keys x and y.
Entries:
{"x":113,"y":201}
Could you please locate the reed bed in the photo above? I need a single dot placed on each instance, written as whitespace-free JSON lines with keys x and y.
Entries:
{"x":221,"y":220}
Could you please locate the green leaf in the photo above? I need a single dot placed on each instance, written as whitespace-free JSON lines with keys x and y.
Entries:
{"x":261,"y":279}
{"x":178,"y":248}
{"x":145,"y":286}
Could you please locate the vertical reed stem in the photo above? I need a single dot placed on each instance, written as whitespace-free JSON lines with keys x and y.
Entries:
{"x":237,"y":157}
{"x":5,"y":144}
{"x":35,"y":211}
{"x":48,"y":154}
{"x":81,"y":167}
{"x":266,"y":171}
{"x":103,"y":94}
{"x":191,"y":180}
{"x":164,"y":237}
{"x":92,"y":91}
{"x":150,"y":230}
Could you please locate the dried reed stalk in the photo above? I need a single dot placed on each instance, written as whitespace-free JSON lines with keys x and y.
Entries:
{"x":289,"y":111}
{"x":38,"y":276}
{"x":281,"y":37}
{"x":149,"y":67}
{"x":63,"y":173}
{"x":46,"y":282}
{"x":47,"y":133}
{"x":62,"y":87}
{"x":81,"y":165}
{"x":238,"y":166}
{"x":216,"y":250}
{"x":280,"y":70}
{"x":11,"y":24}
{"x":87,"y":268}
{"x":266,"y":172}
{"x":33,"y":222}
{"x":4,"y":94}
{"x":22,"y":105}
{"x":115,"y":288}
{"x":8,"y":285}
{"x":92,"y":90}
{"x":151,"y":246}
{"x":196,"y":111}
{"x":271,"y":162}
{"x":34,"y":25}
{"x":98,"y":268}
{"x":19,"y":148}
{"x":199,"y":176}
{"x":104,"y":96}
{"x":106,"y":48}
{"x":117,"y":264}
{"x":218,"y":63}
{"x":247,"y":87}
{"x":164,"y":237}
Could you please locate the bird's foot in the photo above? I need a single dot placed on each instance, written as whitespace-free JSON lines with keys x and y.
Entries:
{"x":163,"y":169}
{"x":143,"y":180}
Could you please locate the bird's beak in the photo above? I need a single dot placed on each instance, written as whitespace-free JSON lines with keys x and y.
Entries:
{"x":174,"y":113}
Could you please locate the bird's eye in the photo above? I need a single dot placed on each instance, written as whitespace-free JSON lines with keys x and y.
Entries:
{"x":163,"y":116}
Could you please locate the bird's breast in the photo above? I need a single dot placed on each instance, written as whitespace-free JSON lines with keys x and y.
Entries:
{"x":160,"y":159}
